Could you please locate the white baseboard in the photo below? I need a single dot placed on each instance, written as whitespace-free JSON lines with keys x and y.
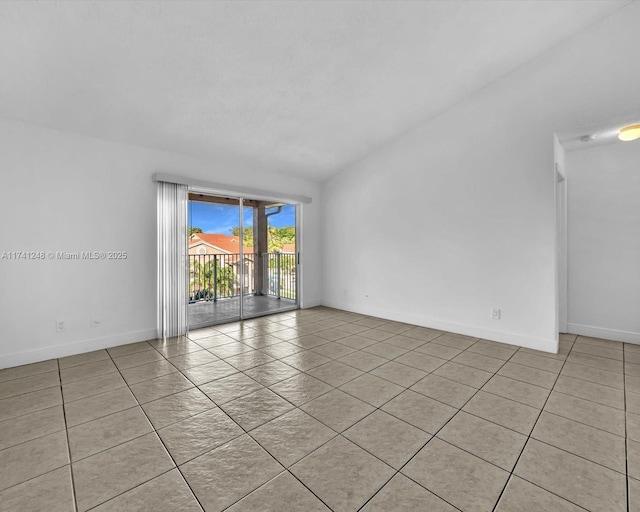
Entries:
{"x":312,"y":303}
{"x":604,"y":333}
{"x":70,"y":349}
{"x":542,"y":344}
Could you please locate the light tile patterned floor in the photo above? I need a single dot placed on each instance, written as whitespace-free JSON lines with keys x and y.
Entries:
{"x":324,"y":410}
{"x":204,"y":313}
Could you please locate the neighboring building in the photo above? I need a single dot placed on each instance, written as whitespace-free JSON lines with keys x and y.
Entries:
{"x":224,"y":250}
{"x":214,"y":243}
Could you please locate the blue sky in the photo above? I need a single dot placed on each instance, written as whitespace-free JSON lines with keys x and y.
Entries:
{"x":222,"y":218}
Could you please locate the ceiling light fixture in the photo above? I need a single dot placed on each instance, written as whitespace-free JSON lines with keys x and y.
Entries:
{"x":628,"y":133}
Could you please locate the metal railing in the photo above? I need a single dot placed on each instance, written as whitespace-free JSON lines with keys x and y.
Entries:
{"x":280,"y":274}
{"x":217,"y":276}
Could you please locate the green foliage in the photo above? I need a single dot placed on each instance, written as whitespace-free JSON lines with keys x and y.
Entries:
{"x":287,"y":262}
{"x":247,"y":235}
{"x":205,"y":276}
{"x":283,"y":267}
{"x":276,"y":238}
{"x":193,"y":229}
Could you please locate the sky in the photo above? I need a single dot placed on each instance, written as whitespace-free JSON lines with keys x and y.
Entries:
{"x":222,"y":218}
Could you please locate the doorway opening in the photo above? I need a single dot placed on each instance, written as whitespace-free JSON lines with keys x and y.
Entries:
{"x":597,"y":221}
{"x":242,"y":258}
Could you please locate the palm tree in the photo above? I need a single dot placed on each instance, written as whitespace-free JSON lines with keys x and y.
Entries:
{"x":210,"y":280}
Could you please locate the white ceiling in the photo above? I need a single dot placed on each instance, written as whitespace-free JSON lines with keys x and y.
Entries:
{"x":605,"y":133}
{"x":300,"y":87}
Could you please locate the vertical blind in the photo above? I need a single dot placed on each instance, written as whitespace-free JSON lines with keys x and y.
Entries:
{"x":172,"y":257}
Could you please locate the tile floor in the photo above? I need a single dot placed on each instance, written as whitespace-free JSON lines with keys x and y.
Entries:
{"x":204,"y":313}
{"x":324,"y":410}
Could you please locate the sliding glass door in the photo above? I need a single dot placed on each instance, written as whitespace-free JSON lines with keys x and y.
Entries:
{"x":242,"y":258}
{"x":214,"y":256}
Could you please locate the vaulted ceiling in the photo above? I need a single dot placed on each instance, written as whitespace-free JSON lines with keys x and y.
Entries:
{"x":305,"y":87}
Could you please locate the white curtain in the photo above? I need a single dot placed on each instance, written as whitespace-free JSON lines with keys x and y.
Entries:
{"x":172,"y":259}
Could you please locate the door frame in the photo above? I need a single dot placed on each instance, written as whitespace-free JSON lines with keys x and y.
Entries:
{"x":561,"y":239}
{"x":562,"y":235}
{"x":298,"y":228}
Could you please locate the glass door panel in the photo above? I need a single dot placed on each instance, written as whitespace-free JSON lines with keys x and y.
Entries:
{"x":248,"y":252}
{"x":282,"y":252}
{"x":243,"y":259}
{"x":215,"y":263}
{"x":275,"y":259}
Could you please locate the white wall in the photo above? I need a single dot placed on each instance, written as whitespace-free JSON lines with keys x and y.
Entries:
{"x":604,"y":241}
{"x":458,"y":216}
{"x":66,"y":192}
{"x":561,"y":235}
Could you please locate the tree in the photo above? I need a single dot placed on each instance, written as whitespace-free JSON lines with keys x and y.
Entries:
{"x":193,"y":229}
{"x":247,"y":236}
{"x":278,"y":237}
{"x":211,"y":280}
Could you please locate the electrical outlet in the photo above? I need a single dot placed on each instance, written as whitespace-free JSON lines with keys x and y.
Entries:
{"x":60,"y":326}
{"x":495,"y":314}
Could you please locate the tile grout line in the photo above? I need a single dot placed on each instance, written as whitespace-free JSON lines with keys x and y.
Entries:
{"x":66,"y":432}
{"x":36,"y":437}
{"x":248,"y":433}
{"x":517,"y":432}
{"x":551,"y":492}
{"x":379,"y":408}
{"x":245,"y":432}
{"x":28,"y":377}
{"x":575,"y":455}
{"x":591,"y":381}
{"x":591,"y":368}
{"x":531,"y":431}
{"x":138,"y":404}
{"x":399,"y":471}
{"x":155,"y":431}
{"x":532,"y":483}
{"x":340,"y":434}
{"x":626,"y":436}
{"x":525,"y":404}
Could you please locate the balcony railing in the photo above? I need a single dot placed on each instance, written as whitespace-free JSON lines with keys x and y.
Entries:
{"x":280,"y":274}
{"x":217,"y":276}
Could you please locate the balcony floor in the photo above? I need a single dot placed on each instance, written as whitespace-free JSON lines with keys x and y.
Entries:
{"x":205,"y":313}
